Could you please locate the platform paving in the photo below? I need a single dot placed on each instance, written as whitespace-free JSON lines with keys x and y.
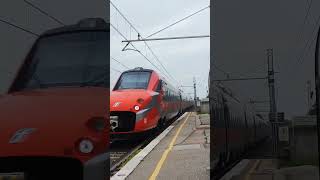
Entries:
{"x":189,"y":157}
{"x":267,"y":169}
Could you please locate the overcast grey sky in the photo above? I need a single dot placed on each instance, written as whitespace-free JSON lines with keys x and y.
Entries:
{"x":244,"y":29}
{"x":15,"y":43}
{"x":183,"y":59}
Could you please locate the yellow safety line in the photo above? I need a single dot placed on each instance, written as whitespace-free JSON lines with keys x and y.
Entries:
{"x":252,"y":169}
{"x":166,"y":152}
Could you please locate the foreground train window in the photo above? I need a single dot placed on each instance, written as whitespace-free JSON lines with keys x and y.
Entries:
{"x":64,"y":67}
{"x":133,"y":80}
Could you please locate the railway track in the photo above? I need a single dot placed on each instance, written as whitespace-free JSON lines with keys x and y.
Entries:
{"x":122,"y":151}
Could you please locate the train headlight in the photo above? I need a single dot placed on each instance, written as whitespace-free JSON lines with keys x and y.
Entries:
{"x":86,"y":146}
{"x":136,"y":107}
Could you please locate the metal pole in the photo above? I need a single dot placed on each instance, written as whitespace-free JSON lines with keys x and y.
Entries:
{"x":316,"y":72}
{"x":166,"y":38}
{"x":273,"y":107}
{"x":195,"y":92}
{"x":241,"y":79}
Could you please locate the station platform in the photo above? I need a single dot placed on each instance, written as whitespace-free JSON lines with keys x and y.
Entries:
{"x":268,"y":169}
{"x":259,"y":164}
{"x":181,"y":152}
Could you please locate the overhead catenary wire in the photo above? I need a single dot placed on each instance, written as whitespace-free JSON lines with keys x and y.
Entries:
{"x":241,"y":79}
{"x":308,"y":44}
{"x":240,"y":74}
{"x":221,"y":70}
{"x":157,"y":59}
{"x":19,"y":27}
{"x":305,"y":20}
{"x":44,"y":12}
{"x":123,"y":16}
{"x":168,"y":38}
{"x":120,"y":63}
{"x":117,"y":30}
{"x":228,"y":74}
{"x":116,"y":70}
{"x":139,"y":35}
{"x":299,"y":57}
{"x":160,"y":63}
{"x":178,"y":21}
{"x":29,"y":31}
{"x":228,"y":79}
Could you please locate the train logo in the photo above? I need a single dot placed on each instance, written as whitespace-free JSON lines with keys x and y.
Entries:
{"x":20,"y":135}
{"x":116,"y":104}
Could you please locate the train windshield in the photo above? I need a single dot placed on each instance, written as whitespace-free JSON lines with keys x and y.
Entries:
{"x":70,"y":59}
{"x":133,"y":80}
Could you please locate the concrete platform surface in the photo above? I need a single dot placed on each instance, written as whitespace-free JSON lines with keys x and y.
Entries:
{"x":266,"y":169}
{"x":188,"y":158}
{"x":306,"y":172}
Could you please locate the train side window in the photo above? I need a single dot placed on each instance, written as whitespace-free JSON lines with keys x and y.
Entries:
{"x":159,"y":87}
{"x":165,"y":96}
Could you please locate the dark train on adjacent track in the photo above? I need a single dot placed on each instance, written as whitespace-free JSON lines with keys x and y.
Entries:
{"x":235,"y":127}
{"x":141,"y":101}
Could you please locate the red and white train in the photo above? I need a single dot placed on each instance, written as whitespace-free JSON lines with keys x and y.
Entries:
{"x":141,"y":101}
{"x":53,"y":120}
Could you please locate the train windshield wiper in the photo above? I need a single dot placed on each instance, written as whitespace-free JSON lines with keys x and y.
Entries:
{"x":36,"y":78}
{"x":100,"y":79}
{"x":34,"y":75}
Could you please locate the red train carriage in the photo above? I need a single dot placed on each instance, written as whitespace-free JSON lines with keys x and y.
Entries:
{"x":140,"y":101}
{"x":53,"y":121}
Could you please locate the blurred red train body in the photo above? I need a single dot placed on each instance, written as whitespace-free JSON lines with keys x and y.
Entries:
{"x":141,"y":101}
{"x":54,"y":120}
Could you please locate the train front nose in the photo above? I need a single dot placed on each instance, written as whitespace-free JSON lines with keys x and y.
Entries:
{"x":132,"y":122}
{"x":132,"y":111}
